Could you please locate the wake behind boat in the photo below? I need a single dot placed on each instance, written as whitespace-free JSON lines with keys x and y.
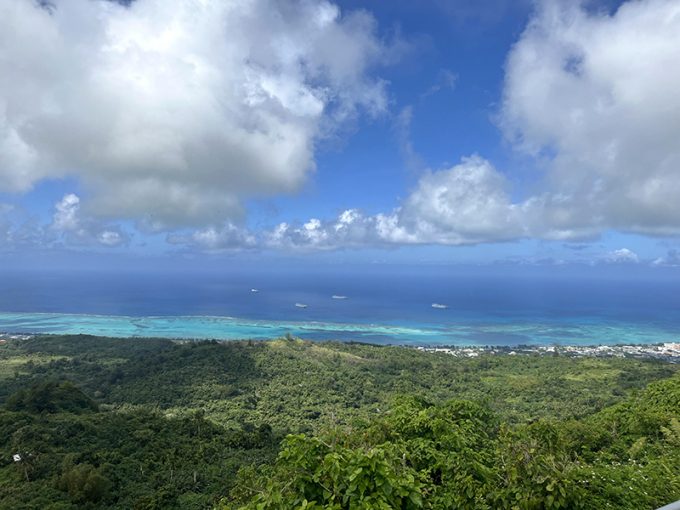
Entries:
{"x":440,"y":306}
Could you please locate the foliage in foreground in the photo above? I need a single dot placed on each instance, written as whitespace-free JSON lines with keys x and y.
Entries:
{"x":459,"y":455}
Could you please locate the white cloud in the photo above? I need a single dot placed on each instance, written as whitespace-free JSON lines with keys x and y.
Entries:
{"x":110,"y":238}
{"x":69,"y":225}
{"x":66,"y":213}
{"x":172,"y":121}
{"x":622,"y":256}
{"x":350,"y":229}
{"x":465,"y":204}
{"x":596,"y":96}
{"x":211,"y":239}
{"x":171,"y":111}
{"x":468,"y":203}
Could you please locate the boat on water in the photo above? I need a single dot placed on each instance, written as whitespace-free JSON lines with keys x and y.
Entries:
{"x":301,"y":305}
{"x":335,"y":296}
{"x":440,"y":306}
{"x":254,"y":290}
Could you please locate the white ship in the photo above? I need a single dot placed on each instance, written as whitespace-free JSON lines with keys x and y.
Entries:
{"x":254,"y":290}
{"x":335,"y":296}
{"x":437,"y":305}
{"x":301,"y":305}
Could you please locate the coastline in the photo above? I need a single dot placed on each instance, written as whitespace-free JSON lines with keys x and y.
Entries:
{"x":662,"y":351}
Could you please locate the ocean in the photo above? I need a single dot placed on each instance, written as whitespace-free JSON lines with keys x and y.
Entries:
{"x":386,"y":305}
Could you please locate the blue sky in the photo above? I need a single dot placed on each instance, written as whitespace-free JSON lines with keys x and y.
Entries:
{"x":455,"y":132}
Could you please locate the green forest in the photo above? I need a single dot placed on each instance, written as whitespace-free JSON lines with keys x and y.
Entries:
{"x":90,"y":422}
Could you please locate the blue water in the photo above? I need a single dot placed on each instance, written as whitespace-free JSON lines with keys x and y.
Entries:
{"x":383,"y":305}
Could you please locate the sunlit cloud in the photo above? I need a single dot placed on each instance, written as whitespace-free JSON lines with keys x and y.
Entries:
{"x":171,"y":112}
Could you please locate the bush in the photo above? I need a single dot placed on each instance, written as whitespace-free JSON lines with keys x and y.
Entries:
{"x":84,"y":483}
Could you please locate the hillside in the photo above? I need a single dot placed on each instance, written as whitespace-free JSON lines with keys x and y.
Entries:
{"x":130,"y":423}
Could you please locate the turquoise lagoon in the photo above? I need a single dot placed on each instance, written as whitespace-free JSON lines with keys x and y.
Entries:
{"x":562,"y":332}
{"x":384,"y":305}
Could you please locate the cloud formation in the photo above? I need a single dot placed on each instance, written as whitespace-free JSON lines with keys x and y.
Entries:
{"x":465,"y":204}
{"x":469,"y":203}
{"x":68,"y":227}
{"x":71,"y":227}
{"x":595,"y":96}
{"x":621,"y":256}
{"x":228,"y":237}
{"x":171,"y":111}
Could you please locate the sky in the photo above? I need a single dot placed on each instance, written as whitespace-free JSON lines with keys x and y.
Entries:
{"x":435,"y":132}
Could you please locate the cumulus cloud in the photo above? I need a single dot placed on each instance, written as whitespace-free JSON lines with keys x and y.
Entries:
{"x":66,"y":213}
{"x":171,"y":111}
{"x":594,"y":98}
{"x":468,"y":203}
{"x":211,"y":239}
{"x":350,"y":229}
{"x":465,"y":204}
{"x":621,"y":256}
{"x":69,"y":224}
{"x":595,"y":95}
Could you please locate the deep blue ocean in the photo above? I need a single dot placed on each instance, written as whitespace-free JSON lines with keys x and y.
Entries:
{"x":383,"y":305}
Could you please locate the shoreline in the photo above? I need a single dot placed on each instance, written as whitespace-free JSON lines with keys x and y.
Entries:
{"x":663,"y":351}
